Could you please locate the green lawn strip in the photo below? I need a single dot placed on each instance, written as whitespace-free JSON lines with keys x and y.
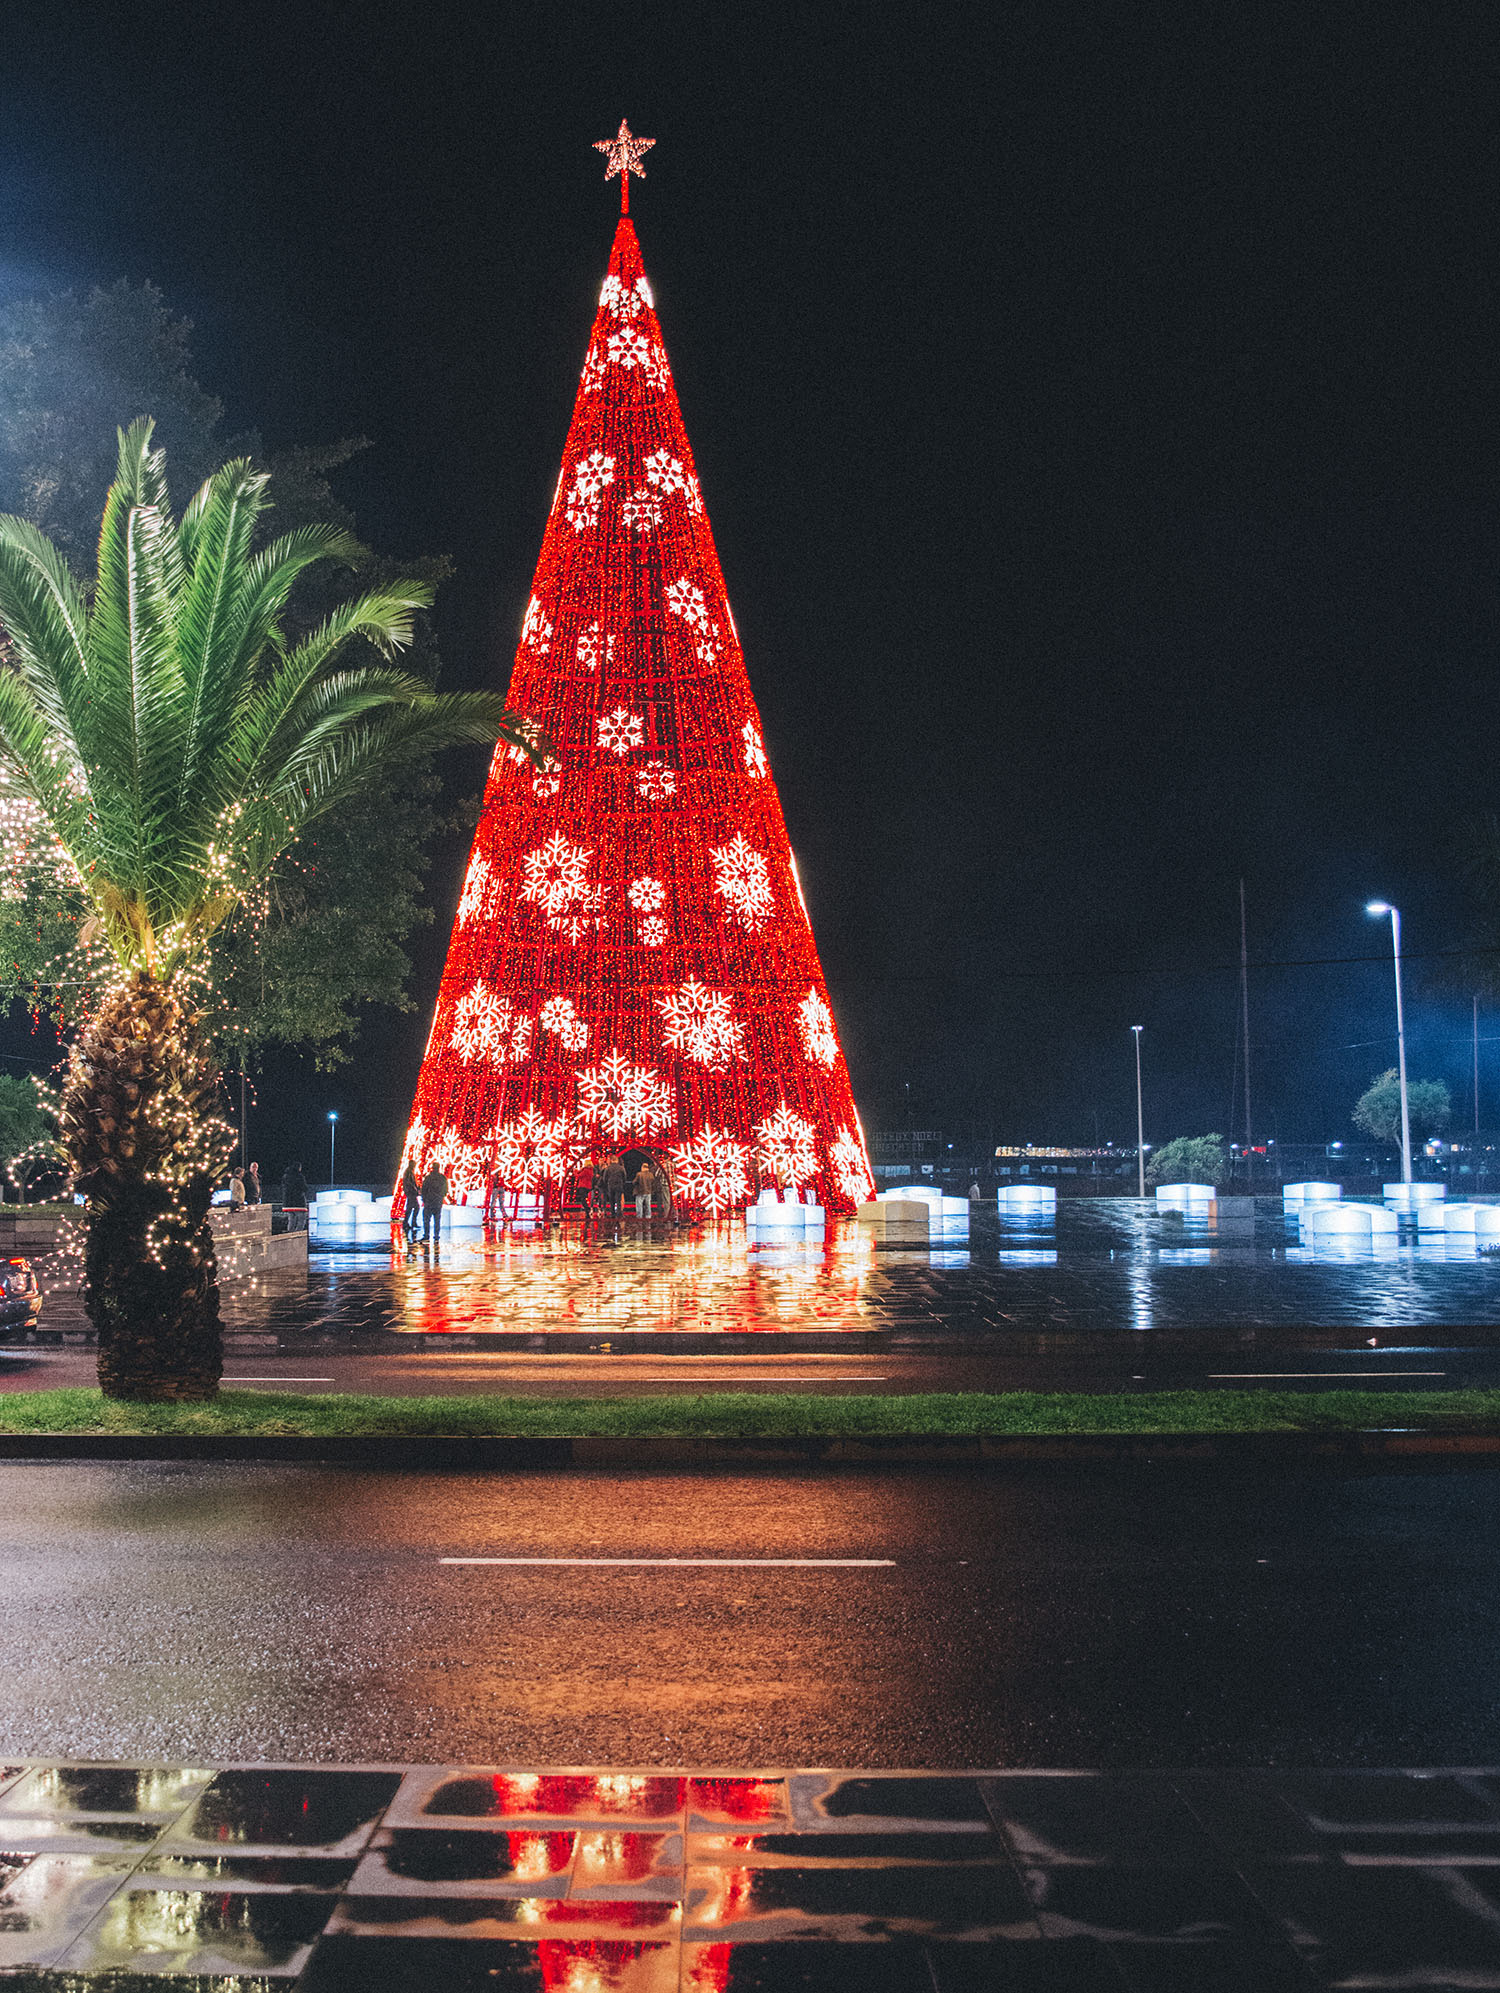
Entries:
{"x":746,"y":1415}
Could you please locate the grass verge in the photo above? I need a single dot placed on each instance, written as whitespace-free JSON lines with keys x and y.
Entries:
{"x":747,"y":1415}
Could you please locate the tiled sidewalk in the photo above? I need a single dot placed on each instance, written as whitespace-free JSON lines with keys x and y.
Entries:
{"x":451,"y":1878}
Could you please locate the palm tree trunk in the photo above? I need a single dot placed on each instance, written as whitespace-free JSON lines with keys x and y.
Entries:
{"x":140,"y":1124}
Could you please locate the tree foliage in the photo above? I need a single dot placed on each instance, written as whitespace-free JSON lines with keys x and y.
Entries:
{"x":1189,"y":1159}
{"x":329,"y":933}
{"x":163,"y":741}
{"x":27,"y":1140}
{"x":1378,"y":1109}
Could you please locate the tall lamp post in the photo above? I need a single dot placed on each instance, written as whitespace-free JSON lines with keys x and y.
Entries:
{"x":1140,"y":1118}
{"x":1377,"y":907}
{"x":333,"y":1129}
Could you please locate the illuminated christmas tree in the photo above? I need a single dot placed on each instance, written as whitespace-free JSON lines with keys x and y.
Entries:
{"x":632,"y":964}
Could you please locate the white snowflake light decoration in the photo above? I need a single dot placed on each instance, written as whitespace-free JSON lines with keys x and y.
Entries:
{"x":460,"y":1161}
{"x":755,"y":751}
{"x":655,"y":782}
{"x":415,"y":1151}
{"x":653,"y":931}
{"x":595,"y":648}
{"x":712,"y":1169}
{"x":815,"y":1023}
{"x":646,"y":894}
{"x":478,"y":882}
{"x":624,"y":1099}
{"x":593,"y":475}
{"x":485,"y":1026}
{"x":642,"y":511}
{"x":630,"y":348}
{"x":742,"y":880}
{"x":623,"y":300}
{"x":701,"y":1025}
{"x":620,"y":731}
{"x":850,"y":1170}
{"x":556,"y":876}
{"x":584,"y":918}
{"x":786,"y":1148}
{"x":665,"y":473}
{"x":536,"y":631}
{"x":532,"y":1150}
{"x":546,"y":781}
{"x":559,"y":1016}
{"x":685,"y":599}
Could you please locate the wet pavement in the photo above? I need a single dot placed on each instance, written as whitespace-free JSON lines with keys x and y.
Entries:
{"x":205,"y":1613}
{"x":1109,"y":1297}
{"x":457,"y":1877}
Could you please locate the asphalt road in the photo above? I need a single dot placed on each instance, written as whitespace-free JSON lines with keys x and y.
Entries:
{"x":191,"y":1612}
{"x":1321,"y":1360}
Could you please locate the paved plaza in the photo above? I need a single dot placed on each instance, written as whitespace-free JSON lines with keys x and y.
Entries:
{"x":381,"y":1879}
{"x":1108,"y":1296}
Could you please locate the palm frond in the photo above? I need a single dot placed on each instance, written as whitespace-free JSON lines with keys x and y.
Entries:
{"x":136,"y":675}
{"x":382,"y":616}
{"x":43,"y":612}
{"x":224,"y":512}
{"x":365,"y":747}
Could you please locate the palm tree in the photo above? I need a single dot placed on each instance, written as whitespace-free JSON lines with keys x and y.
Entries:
{"x":174,"y":741}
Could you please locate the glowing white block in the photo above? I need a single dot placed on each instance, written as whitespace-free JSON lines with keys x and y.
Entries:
{"x":1026,"y":1197}
{"x":1486,"y":1224}
{"x":1311,"y":1193}
{"x":1452,"y":1217}
{"x":344,"y":1197}
{"x":1328,"y":1220}
{"x":1197,"y":1198}
{"x":1409,"y":1196}
{"x":465,"y":1217}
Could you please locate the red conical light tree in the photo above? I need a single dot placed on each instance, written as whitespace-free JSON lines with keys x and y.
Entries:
{"x":632,"y":964}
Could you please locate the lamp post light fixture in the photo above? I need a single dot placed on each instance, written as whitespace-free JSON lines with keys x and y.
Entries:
{"x":1376,"y":908}
{"x":1140,"y":1119}
{"x":333,"y":1129}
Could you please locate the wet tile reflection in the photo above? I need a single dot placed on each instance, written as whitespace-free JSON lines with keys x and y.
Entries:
{"x":188,"y":1931}
{"x":1256,"y":1882}
{"x":333,"y":1811}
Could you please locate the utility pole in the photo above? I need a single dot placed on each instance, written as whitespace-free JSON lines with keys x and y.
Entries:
{"x":1476,"y":1082}
{"x":1140,"y":1119}
{"x":1245,"y":1020}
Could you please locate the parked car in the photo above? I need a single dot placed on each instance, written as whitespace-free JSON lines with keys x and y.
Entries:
{"x":20,"y":1297}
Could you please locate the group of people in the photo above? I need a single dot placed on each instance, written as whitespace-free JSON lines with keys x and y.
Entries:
{"x":423,"y":1201}
{"x":245,"y":1187}
{"x":602,"y":1192}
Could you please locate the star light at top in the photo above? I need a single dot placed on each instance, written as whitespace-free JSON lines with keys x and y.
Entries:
{"x":624,"y":152}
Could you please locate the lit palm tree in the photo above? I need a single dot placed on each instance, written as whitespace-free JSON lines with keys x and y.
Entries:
{"x":175,"y":741}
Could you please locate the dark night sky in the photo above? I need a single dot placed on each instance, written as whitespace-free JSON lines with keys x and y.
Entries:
{"x":1095,"y":407}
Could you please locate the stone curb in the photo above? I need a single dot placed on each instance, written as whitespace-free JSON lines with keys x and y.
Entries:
{"x":500,"y":1451}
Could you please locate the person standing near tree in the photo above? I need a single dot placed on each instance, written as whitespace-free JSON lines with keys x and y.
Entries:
{"x":294,"y":1189}
{"x":663,"y":1179}
{"x":614,"y":1187}
{"x":411,"y":1201}
{"x":645,"y":1190}
{"x":253,"y":1192}
{"x":434,"y":1197}
{"x":236,"y":1190}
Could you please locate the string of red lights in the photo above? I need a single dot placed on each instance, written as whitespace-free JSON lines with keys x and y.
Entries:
{"x":632,"y":963}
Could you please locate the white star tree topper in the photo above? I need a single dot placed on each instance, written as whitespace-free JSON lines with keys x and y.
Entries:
{"x":624,"y":152}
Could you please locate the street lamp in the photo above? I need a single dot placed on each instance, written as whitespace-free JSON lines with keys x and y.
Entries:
{"x":333,"y":1129}
{"x":1140,"y":1119}
{"x":1378,"y":907}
